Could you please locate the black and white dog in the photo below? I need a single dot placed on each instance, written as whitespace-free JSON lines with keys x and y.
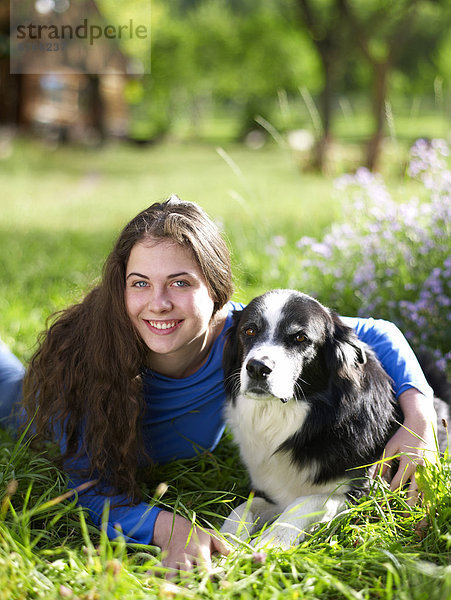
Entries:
{"x":308,"y":404}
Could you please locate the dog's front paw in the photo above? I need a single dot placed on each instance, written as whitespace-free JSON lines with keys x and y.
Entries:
{"x":279,"y":536}
{"x":240,"y":524}
{"x":248,"y":518}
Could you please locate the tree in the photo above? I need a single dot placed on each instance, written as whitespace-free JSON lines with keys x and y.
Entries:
{"x":385,"y":32}
{"x":325,"y":23}
{"x":231,"y":53}
{"x":388,"y":36}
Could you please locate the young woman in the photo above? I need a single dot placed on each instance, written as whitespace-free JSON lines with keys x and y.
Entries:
{"x":133,"y":374}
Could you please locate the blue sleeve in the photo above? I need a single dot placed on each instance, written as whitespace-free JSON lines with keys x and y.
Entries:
{"x":11,"y":375}
{"x":135,"y":523}
{"x":393,"y":351}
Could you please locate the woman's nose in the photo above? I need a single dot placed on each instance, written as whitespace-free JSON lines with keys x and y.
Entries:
{"x":159,"y":301}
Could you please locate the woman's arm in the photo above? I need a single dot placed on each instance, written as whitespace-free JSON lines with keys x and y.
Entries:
{"x":134,"y":522}
{"x":415,"y":440}
{"x":394,"y":352}
{"x":182,"y":545}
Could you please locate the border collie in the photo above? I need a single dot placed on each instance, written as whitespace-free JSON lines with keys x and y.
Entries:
{"x":308,"y":404}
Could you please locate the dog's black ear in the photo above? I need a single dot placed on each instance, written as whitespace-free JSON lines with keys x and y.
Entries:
{"x":232,"y":355}
{"x":344,"y":352}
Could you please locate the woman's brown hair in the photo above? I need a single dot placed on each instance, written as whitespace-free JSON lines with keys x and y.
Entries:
{"x":83,"y":384}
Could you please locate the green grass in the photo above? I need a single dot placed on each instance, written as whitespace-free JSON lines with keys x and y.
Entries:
{"x":60,"y":211}
{"x":96,"y":189}
{"x":380,"y":548}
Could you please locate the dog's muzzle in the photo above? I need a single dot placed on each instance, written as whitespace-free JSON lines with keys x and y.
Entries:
{"x":258,"y":372}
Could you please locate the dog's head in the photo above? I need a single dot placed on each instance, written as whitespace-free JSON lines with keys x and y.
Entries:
{"x":285,"y":345}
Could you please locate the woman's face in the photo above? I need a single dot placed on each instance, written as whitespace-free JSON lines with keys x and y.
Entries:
{"x":168,"y":302}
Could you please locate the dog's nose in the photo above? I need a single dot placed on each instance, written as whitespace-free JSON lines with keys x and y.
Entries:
{"x":257,"y":369}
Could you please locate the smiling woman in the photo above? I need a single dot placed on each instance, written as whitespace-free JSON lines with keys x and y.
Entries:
{"x":134,"y":371}
{"x":133,"y":374}
{"x":97,"y":349}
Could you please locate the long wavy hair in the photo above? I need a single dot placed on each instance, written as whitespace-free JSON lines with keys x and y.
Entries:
{"x":83,"y":385}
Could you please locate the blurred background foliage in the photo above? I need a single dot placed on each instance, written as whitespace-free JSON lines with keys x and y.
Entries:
{"x":238,"y":60}
{"x":222,"y":70}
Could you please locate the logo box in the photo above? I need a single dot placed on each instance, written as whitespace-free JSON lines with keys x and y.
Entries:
{"x":80,"y":37}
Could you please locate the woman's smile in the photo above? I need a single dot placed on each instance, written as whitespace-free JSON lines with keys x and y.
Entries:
{"x":163,"y":327}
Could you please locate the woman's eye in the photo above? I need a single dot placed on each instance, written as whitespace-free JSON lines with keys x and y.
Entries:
{"x":140,"y":284}
{"x":250,"y":331}
{"x":180,"y":283}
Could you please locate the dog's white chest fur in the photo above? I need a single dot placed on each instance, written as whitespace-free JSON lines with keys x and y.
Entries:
{"x":260,"y":427}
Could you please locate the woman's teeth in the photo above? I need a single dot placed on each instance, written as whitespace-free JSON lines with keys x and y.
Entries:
{"x":163,"y":325}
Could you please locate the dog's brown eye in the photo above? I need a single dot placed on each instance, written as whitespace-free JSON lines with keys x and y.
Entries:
{"x":300,"y":337}
{"x":250,"y":331}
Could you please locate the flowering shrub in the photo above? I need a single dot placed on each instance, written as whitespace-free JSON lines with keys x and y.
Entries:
{"x":388,"y":259}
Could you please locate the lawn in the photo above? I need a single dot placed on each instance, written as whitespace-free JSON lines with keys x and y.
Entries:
{"x":60,"y":212}
{"x":61,"y":208}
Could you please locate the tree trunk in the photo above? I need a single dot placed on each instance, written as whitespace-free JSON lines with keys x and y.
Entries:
{"x":381,"y":73}
{"x":320,"y":159}
{"x":327,"y":35}
{"x":96,"y":105}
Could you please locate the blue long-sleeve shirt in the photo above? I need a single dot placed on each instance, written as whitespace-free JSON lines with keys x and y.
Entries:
{"x":184,"y":417}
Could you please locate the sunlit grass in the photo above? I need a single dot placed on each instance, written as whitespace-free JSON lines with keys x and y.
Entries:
{"x":93,"y":189}
{"x":62,"y":208}
{"x":380,"y":548}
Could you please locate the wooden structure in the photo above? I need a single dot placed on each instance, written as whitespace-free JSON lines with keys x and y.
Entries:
{"x":66,"y":103}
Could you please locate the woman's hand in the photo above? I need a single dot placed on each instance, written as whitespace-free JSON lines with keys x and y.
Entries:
{"x":420,"y":418}
{"x":171,"y":534}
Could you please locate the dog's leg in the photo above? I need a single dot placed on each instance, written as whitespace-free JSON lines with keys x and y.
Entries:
{"x":249,"y":517}
{"x":290,"y":527}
